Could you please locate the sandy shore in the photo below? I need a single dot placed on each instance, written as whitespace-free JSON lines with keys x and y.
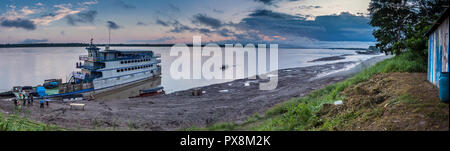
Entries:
{"x":182,"y":110}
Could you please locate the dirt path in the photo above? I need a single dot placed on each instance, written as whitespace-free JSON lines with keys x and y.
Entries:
{"x":182,"y":110}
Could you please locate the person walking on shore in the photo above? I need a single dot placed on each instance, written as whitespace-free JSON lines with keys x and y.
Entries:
{"x":41,"y":103}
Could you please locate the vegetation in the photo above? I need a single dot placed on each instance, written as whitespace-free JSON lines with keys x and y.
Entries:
{"x":301,"y":113}
{"x":17,"y":123}
{"x":401,"y":24}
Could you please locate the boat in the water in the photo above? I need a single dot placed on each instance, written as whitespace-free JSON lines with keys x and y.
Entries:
{"x":100,"y":71}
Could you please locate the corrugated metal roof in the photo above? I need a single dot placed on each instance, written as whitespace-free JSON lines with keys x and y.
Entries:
{"x":437,"y":23}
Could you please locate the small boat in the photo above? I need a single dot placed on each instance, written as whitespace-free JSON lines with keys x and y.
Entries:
{"x":150,"y":92}
{"x":8,"y":94}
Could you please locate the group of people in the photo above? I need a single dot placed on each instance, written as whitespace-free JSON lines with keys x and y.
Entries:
{"x":25,"y":98}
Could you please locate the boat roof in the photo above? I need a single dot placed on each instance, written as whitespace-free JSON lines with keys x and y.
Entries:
{"x":127,"y":51}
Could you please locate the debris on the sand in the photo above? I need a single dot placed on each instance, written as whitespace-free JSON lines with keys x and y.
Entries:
{"x":224,"y":91}
{"x":247,"y":84}
{"x":230,"y":84}
{"x":197,"y":92}
{"x":338,"y":102}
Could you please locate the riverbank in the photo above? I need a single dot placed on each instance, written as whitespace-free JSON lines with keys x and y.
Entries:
{"x":234,"y":101}
{"x":392,"y":95}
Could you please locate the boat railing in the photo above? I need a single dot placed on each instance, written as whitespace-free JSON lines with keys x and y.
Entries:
{"x":84,"y":57}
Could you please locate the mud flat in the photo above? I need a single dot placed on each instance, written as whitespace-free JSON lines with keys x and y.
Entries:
{"x":232,"y":101}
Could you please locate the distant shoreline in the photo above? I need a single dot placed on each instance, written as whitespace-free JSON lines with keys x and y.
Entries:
{"x":134,"y":45}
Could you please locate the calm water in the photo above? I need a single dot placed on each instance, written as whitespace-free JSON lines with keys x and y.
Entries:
{"x":31,"y":66}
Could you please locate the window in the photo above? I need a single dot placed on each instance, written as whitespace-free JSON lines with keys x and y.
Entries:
{"x":121,"y":62}
{"x":118,"y":70}
{"x":121,"y":70}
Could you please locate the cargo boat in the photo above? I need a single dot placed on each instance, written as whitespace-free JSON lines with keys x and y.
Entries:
{"x":100,"y":71}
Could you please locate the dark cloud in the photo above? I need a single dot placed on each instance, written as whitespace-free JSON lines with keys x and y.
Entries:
{"x":162,"y":23}
{"x":141,"y":23}
{"x":82,"y":17}
{"x":177,"y":27}
{"x":207,"y":21}
{"x":154,"y":41}
{"x":266,"y":2}
{"x":19,"y":23}
{"x":308,"y":7}
{"x":218,"y":11}
{"x":124,"y":5}
{"x":33,"y":41}
{"x":343,"y":27}
{"x":112,"y":25}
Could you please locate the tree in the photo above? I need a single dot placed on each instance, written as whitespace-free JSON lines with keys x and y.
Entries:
{"x":400,"y":24}
{"x":391,"y":17}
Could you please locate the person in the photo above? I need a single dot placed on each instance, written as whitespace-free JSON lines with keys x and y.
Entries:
{"x":42,"y":103}
{"x":20,"y":97}
{"x":31,"y":100}
{"x":15,"y":102}
{"x":46,"y":102}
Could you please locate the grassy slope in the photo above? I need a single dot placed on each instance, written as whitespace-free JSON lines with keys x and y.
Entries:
{"x":300,"y":113}
{"x":17,"y":123}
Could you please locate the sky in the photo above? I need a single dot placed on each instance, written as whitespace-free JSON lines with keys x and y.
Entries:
{"x":285,"y":22}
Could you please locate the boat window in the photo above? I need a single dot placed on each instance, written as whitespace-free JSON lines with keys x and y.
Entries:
{"x":121,"y":62}
{"x":121,"y":70}
{"x":118,"y":70}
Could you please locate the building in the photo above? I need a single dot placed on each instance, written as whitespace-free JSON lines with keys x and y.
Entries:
{"x":438,"y":49}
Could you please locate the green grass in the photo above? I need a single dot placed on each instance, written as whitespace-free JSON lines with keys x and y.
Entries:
{"x":17,"y":123}
{"x":300,"y":113}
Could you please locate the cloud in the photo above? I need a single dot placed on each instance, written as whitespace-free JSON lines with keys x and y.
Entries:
{"x":218,"y":11}
{"x":162,"y":23}
{"x":308,"y":7}
{"x":141,"y":23}
{"x":124,"y":5}
{"x":62,"y":11}
{"x":112,"y":25}
{"x":90,"y":2}
{"x":207,"y":21}
{"x":34,"y":41}
{"x":154,"y":41}
{"x":342,"y":27}
{"x":267,"y":26}
{"x":82,"y":17}
{"x":266,"y":2}
{"x":177,"y":27}
{"x":19,"y":23}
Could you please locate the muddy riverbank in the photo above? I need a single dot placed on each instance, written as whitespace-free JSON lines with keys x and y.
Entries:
{"x":225,"y":102}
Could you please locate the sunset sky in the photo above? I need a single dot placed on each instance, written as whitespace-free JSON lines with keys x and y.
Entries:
{"x":290,"y":22}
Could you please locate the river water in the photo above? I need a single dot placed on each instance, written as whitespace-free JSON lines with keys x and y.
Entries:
{"x":31,"y":66}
